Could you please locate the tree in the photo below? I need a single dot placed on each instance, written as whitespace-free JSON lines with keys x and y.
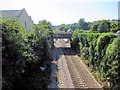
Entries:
{"x":66,"y":28}
{"x":114,"y":27}
{"x":81,"y":23}
{"x":73,"y":26}
{"x":94,"y":26}
{"x":104,"y":26}
{"x":79,"y":30}
{"x":61,"y":27}
{"x":23,"y":54}
{"x":89,"y":24}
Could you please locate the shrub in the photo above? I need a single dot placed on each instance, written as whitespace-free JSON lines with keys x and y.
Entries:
{"x":102,"y":43}
{"x":111,"y":63}
{"x":100,"y":50}
{"x":24,"y":54}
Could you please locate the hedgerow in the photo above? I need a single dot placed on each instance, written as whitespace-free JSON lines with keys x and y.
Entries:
{"x":101,"y":51}
{"x":111,"y":63}
{"x":23,"y":54}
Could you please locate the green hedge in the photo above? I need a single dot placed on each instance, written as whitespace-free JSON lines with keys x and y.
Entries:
{"x":23,"y":54}
{"x":111,"y":63}
{"x":101,"y":51}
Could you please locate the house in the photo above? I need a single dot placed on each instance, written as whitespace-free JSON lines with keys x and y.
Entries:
{"x":21,"y":16}
{"x":119,"y":11}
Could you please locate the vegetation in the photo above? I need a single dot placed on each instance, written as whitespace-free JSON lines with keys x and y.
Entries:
{"x":73,"y":26}
{"x":63,"y":27}
{"x":100,"y":50}
{"x":23,"y":54}
{"x":80,"y":25}
{"x":104,"y":26}
{"x":95,"y":27}
{"x":115,"y":27}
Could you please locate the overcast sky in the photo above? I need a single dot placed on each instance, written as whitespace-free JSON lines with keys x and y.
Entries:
{"x":64,"y":11}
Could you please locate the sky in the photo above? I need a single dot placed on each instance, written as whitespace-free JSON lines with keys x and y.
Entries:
{"x":64,"y":11}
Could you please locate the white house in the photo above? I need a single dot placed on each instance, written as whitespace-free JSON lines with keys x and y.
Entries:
{"x":119,"y":10}
{"x":21,"y":16}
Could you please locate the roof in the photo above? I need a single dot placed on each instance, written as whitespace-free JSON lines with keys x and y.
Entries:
{"x":8,"y":14}
{"x":11,"y":13}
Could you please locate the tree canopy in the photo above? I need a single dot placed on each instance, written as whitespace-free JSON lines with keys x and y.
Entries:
{"x":100,"y":26}
{"x":104,"y":26}
{"x":63,"y":27}
{"x":82,"y":24}
{"x":114,"y":27}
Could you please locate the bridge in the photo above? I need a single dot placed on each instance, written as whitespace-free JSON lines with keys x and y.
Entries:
{"x":62,"y":34}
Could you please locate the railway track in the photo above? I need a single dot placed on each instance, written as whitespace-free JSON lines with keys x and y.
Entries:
{"x":78,"y":81}
{"x":79,"y":74}
{"x":64,"y":78}
{"x":71,"y":72}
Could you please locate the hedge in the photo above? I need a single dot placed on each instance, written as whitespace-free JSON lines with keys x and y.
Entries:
{"x":101,"y":51}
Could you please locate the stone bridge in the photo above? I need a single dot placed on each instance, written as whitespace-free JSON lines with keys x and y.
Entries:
{"x":61,"y":34}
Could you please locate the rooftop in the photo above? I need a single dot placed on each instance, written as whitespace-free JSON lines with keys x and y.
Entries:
{"x":10,"y":13}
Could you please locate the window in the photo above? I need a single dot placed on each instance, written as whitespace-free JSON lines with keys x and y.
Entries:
{"x":25,"y":25}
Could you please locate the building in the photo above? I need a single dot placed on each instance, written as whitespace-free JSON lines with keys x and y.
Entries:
{"x":119,"y":10}
{"x":21,"y":16}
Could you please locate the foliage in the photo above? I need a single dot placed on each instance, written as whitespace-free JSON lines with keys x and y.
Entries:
{"x":82,"y":24}
{"x":104,"y":26}
{"x":114,"y":27}
{"x":85,"y":52}
{"x":100,"y":50}
{"x":14,"y":52}
{"x":24,"y":54}
{"x":79,"y":30}
{"x":94,"y":26}
{"x":102,"y":43}
{"x":111,"y":63}
{"x":73,"y":26}
{"x":63,"y":27}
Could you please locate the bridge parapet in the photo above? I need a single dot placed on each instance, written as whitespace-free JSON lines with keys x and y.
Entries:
{"x":62,"y":34}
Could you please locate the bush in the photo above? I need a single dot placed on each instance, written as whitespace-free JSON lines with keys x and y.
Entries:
{"x":85,"y":52}
{"x":13,"y":49}
{"x":100,"y":50}
{"x":110,"y":63}
{"x":24,"y":54}
{"x":102,"y":43}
